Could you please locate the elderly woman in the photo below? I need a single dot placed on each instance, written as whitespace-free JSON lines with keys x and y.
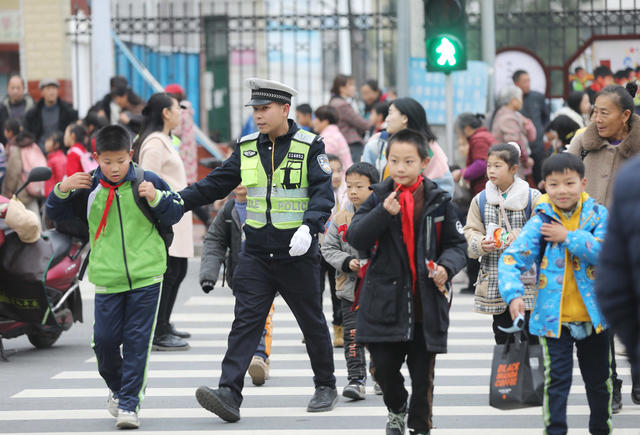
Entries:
{"x":611,"y":139}
{"x":509,"y":125}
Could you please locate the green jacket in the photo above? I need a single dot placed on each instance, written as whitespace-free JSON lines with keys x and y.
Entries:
{"x":130,"y":253}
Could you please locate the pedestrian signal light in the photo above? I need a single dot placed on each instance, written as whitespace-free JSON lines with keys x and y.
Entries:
{"x":445,"y":34}
{"x":445,"y":53}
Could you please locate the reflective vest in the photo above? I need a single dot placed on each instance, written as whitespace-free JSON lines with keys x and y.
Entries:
{"x":282,"y":200}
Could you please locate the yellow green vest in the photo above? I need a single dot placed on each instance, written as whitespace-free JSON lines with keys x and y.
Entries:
{"x":283,"y":200}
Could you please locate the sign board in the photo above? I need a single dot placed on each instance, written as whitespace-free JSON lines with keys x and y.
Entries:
{"x":509,"y":61}
{"x":469,"y":89}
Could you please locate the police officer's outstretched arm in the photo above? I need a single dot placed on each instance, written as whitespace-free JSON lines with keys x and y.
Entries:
{"x":320,"y":192}
{"x":216,"y":185}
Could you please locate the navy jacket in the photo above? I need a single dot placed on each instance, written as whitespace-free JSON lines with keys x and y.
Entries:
{"x":268,"y":241}
{"x":618,"y":274}
{"x":386,"y":298}
{"x":168,"y":211}
{"x":33,"y":118}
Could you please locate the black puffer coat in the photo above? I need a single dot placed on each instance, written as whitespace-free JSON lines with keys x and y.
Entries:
{"x":386,"y":299}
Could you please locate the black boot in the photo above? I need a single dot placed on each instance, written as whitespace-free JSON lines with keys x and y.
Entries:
{"x":616,"y":400}
{"x":324,"y":399}
{"x":635,"y":393}
{"x":221,"y":402}
{"x":181,"y":334}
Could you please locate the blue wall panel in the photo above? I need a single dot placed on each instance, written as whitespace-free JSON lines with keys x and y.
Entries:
{"x":181,"y":68}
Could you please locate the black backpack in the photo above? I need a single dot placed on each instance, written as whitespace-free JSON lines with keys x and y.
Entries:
{"x":166,"y":231}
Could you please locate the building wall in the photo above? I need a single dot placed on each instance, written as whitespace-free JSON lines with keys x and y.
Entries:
{"x":46,"y":45}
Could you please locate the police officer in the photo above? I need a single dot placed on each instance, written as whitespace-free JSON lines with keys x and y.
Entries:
{"x":289,"y":198}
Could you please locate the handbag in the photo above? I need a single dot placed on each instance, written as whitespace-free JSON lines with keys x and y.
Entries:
{"x":517,"y":375}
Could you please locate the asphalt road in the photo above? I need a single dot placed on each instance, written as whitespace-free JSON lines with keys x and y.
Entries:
{"x":58,"y":390}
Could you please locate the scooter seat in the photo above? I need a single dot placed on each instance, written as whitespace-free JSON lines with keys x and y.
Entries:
{"x":61,"y":244}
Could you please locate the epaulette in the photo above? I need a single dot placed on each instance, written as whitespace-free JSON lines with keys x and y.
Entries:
{"x":304,"y":137}
{"x":252,"y":136}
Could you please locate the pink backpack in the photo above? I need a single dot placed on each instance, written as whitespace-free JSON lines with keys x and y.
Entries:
{"x":32,"y":157}
{"x":86,"y":159}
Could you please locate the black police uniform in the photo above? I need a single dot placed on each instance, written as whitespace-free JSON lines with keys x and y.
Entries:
{"x":265,"y":266}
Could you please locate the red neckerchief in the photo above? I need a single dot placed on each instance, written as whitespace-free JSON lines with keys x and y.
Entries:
{"x":112,"y":190}
{"x":405,"y":198}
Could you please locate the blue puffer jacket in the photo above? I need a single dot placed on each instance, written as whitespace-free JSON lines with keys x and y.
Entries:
{"x":584,"y":245}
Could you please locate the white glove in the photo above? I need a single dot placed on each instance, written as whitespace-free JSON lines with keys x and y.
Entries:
{"x":300,"y":241}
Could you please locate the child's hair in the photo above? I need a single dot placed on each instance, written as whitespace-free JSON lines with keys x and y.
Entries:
{"x":57,"y":138}
{"x":413,"y":137}
{"x":564,"y":126}
{"x":382,"y":108}
{"x":152,"y":119}
{"x":112,"y":138}
{"x":327,"y":113}
{"x":12,"y":125}
{"x":79,"y":132}
{"x":95,"y":120}
{"x":304,"y":108}
{"x":366,"y":170}
{"x":561,"y":163}
{"x":508,"y":152}
{"x":334,"y":158}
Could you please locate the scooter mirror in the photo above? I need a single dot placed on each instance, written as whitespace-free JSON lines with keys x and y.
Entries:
{"x":37,"y":174}
{"x":40,"y":173}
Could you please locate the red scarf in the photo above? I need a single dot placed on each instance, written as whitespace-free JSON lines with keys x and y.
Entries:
{"x":405,"y":198}
{"x":112,"y":190}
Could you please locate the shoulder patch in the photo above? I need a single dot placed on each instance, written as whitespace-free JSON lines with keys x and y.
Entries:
{"x":323,"y":161}
{"x":249,"y":153}
{"x":252,"y":136}
{"x":304,"y":137}
{"x":459,"y":227}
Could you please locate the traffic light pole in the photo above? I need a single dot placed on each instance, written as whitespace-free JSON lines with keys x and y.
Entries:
{"x":449,"y":115}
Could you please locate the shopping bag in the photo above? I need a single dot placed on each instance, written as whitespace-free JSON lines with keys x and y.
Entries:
{"x":517,"y":375}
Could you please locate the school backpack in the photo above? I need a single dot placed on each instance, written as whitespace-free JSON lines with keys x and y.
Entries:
{"x":86,"y":159}
{"x":482,"y":201}
{"x":32,"y":157}
{"x":166,"y":231}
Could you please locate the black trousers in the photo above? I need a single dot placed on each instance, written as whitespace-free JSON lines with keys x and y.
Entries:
{"x":173,"y":277}
{"x":326,"y":268}
{"x":388,"y":359}
{"x":353,"y":351}
{"x":255,"y":282}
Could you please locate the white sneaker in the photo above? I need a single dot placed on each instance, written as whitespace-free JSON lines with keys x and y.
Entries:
{"x":112,"y":404}
{"x":127,"y":420}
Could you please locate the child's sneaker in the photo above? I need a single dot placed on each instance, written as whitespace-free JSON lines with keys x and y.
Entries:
{"x":127,"y":420}
{"x":355,"y":390}
{"x":395,"y":422}
{"x":259,"y":370}
{"x":112,"y":404}
{"x":377,"y":389}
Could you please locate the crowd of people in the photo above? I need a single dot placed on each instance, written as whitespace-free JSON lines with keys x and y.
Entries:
{"x":367,"y":190}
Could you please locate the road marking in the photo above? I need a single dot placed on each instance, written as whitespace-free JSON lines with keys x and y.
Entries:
{"x":350,"y":431}
{"x":288,"y":316}
{"x":340,"y":411}
{"x":302,"y":356}
{"x":208,"y":301}
{"x":290,"y":373}
{"x":446,"y":390}
{"x":295,"y":330}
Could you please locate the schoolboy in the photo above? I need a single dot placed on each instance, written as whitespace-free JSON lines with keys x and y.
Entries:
{"x":564,"y":239}
{"x":126,"y":262}
{"x":349,"y":269}
{"x":226,"y":234}
{"x":404,"y":310}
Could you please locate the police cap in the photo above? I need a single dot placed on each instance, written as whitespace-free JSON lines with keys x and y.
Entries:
{"x":268,"y":91}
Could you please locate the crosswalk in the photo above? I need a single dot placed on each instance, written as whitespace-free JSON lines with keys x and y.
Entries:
{"x":73,"y":400}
